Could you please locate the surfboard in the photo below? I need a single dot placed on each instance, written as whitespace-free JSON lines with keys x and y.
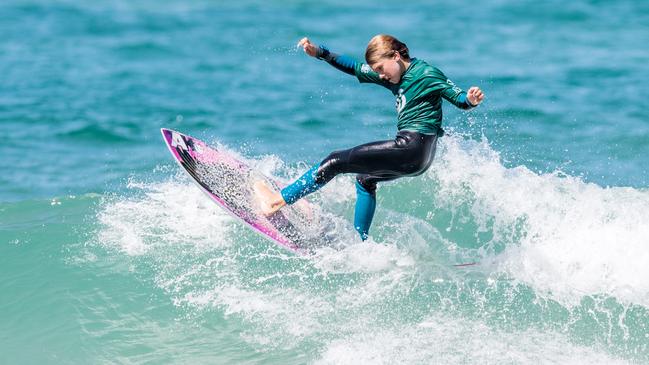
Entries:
{"x":229,"y":183}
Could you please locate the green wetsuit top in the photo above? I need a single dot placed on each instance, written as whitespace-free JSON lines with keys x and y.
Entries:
{"x":418,"y":94}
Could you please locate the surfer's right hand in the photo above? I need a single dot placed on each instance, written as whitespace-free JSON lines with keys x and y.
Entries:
{"x":308,"y":47}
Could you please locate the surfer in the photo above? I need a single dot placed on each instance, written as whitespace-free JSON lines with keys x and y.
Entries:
{"x":419,"y":89}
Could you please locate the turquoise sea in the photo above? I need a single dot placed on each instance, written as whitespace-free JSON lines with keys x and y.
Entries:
{"x":110,"y":254}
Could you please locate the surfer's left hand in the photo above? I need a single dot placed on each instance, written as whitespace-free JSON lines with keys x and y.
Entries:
{"x":474,"y":95}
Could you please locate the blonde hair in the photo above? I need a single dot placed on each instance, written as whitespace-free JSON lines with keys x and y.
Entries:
{"x":385,"y":46}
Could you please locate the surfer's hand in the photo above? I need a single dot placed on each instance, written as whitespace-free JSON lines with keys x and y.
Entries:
{"x":474,"y":96}
{"x":308,"y":47}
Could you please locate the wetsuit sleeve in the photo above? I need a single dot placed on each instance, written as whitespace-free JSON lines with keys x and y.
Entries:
{"x":350,"y":66}
{"x":455,"y":95}
{"x":343,"y":63}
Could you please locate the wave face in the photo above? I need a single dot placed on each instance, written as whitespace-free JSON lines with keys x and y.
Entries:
{"x":560,"y":264}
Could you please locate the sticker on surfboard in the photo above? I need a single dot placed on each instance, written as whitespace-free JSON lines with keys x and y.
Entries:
{"x":229,"y":183}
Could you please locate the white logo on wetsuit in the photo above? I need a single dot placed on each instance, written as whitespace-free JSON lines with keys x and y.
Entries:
{"x":401,"y":101}
{"x":456,"y":89}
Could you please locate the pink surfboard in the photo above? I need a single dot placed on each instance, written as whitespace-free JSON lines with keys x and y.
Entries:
{"x":228,"y":182}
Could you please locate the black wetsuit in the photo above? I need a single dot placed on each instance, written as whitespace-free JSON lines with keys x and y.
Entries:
{"x":408,"y":154}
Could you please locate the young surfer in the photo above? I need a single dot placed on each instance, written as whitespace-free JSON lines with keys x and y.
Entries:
{"x":419,"y":89}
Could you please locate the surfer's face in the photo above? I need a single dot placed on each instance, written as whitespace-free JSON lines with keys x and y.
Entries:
{"x":390,"y":68}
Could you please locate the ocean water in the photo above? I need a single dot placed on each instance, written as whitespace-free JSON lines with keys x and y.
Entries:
{"x":109,"y":254}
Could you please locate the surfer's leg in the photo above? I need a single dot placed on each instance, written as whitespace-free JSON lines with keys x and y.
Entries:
{"x":364,"y":210}
{"x":400,"y":165}
{"x":306,"y":184}
{"x":273,"y":201}
{"x":359,"y":159}
{"x":407,"y":154}
{"x":366,"y":201}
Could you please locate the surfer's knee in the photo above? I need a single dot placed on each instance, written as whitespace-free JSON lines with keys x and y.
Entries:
{"x":367,"y":183}
{"x":332,"y":165}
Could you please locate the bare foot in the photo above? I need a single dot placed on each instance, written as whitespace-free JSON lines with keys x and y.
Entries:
{"x":269,"y":201}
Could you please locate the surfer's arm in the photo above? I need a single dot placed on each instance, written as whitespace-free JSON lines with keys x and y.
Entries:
{"x":453,"y":93}
{"x":343,"y":63}
{"x":459,"y":100}
{"x":350,"y":66}
{"x":346,"y":64}
{"x":464,"y":100}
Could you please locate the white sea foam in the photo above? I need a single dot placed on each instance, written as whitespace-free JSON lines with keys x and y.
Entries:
{"x":440,"y":340}
{"x":336,"y":300}
{"x":579,"y":238}
{"x":163,"y":212}
{"x":364,"y":257}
